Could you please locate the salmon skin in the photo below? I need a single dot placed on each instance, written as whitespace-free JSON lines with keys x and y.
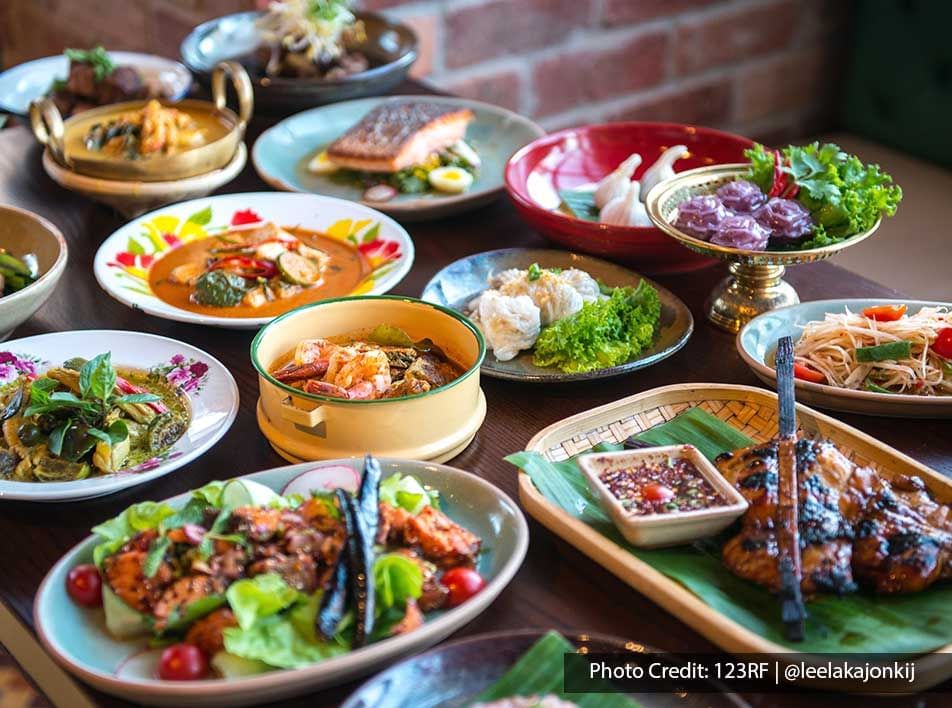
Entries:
{"x":399,"y":134}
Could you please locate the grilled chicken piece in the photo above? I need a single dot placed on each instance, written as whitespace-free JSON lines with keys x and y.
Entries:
{"x":398,"y":134}
{"x":207,"y":633}
{"x":439,"y":539}
{"x":123,"y":573}
{"x":298,"y":570}
{"x":181,"y":593}
{"x":889,"y":535}
{"x":413,"y":619}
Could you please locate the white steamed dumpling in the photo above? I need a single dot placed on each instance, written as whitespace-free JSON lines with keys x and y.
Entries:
{"x":662,"y":169}
{"x":510,"y":324}
{"x":615,"y":184}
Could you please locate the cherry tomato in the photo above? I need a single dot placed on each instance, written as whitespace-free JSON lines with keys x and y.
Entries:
{"x":943,"y":343}
{"x":462,"y":584}
{"x":183,"y":662}
{"x":656,"y":492}
{"x":885,"y":313}
{"x":805,"y":373}
{"x":84,"y":585}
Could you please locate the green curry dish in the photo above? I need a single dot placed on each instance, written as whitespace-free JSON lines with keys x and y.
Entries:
{"x":604,"y":333}
{"x":86,"y":418}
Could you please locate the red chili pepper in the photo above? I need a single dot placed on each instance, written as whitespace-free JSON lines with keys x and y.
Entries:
{"x":246,"y":267}
{"x":943,"y":343}
{"x":778,"y":182}
{"x":805,"y":373}
{"x":885,"y":313}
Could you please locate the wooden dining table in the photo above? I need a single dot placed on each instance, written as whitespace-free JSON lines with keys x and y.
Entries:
{"x":556,"y":587}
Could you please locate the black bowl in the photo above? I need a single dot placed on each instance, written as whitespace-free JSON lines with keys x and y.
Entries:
{"x":390,"y":46}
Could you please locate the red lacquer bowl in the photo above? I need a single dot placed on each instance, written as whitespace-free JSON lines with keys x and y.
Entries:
{"x":578,"y":156}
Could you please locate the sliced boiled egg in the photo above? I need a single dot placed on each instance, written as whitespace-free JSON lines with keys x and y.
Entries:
{"x":321,"y":164}
{"x":450,"y":179}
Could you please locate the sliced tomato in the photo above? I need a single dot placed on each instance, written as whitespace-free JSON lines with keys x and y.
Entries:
{"x":885,"y":313}
{"x":805,"y":373}
{"x":656,"y":492}
{"x":943,"y":343}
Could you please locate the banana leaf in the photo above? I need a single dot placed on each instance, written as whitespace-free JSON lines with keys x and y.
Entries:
{"x":540,"y":672}
{"x":860,"y":623}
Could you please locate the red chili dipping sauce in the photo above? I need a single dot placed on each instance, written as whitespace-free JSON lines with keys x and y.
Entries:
{"x":662,"y":486}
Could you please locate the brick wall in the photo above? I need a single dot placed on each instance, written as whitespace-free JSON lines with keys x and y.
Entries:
{"x":766,"y":68}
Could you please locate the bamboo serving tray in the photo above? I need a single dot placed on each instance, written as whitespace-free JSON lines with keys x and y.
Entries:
{"x":752,"y":411}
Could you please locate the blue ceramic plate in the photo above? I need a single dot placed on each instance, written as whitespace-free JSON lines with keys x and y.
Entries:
{"x":458,"y":283}
{"x":757,"y":344}
{"x":25,"y":82}
{"x":281,"y":155}
{"x":77,"y":638}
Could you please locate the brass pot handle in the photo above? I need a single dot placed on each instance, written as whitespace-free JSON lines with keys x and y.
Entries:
{"x":47,"y":124}
{"x":241,"y":82}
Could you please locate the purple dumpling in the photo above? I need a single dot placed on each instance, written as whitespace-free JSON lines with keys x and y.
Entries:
{"x":741,"y":196}
{"x":741,"y":231}
{"x":787,"y":220}
{"x":700,"y":215}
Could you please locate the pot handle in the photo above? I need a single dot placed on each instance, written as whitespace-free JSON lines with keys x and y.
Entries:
{"x":47,"y":124}
{"x":239,"y":79}
{"x":306,"y":419}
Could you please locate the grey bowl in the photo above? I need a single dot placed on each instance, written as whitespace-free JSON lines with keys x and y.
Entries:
{"x":392,"y":45}
{"x":22,"y":232}
{"x":461,"y":281}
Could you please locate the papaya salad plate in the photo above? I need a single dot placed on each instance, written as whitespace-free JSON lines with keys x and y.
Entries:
{"x":239,"y":260}
{"x":876,"y":357}
{"x":91,"y":412}
{"x":271,"y":585}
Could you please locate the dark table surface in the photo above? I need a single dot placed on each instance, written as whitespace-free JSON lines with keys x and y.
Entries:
{"x":557,"y":586}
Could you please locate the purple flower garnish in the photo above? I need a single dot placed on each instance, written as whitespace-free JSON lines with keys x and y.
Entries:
{"x":741,"y":231}
{"x":741,"y":196}
{"x":700,"y":215}
{"x":787,"y":220}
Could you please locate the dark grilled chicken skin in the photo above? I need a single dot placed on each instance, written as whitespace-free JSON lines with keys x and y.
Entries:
{"x":855,"y":526}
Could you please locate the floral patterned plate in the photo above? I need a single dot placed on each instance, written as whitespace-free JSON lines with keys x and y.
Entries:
{"x":208,"y":385}
{"x":123,"y":261}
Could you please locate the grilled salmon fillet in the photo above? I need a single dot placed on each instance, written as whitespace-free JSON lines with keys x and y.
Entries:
{"x":398,"y":134}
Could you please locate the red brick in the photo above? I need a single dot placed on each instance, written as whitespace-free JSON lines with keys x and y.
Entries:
{"x":499,"y":27}
{"x":707,"y":104}
{"x":617,"y":12}
{"x":728,"y":37}
{"x":573,"y":79}
{"x":503,"y":88}
{"x":426,"y":27}
{"x":793,"y":81}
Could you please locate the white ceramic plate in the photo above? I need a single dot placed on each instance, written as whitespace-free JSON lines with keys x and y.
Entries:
{"x":77,"y":638}
{"x":757,"y":343}
{"x":209,"y":386}
{"x":25,"y":82}
{"x":123,"y":261}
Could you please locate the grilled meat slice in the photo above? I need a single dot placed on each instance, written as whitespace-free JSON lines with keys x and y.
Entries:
{"x":438,"y":538}
{"x":298,"y":570}
{"x":207,"y":633}
{"x":124,"y":575}
{"x":262,"y":524}
{"x":182,"y":593}
{"x":397,"y":134}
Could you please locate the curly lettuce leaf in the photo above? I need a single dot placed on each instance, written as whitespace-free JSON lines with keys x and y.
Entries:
{"x":396,"y":579}
{"x":143,"y":516}
{"x":406,"y":492}
{"x":602,"y":334}
{"x":259,"y":597}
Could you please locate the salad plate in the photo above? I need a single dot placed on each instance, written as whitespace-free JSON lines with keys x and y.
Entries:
{"x":207,"y":390}
{"x":458,"y":284}
{"x":77,"y":637}
{"x":757,"y":343}
{"x":368,"y":249}
{"x":282,"y":153}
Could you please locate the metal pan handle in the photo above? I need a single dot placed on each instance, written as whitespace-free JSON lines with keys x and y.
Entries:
{"x":239,"y":79}
{"x":47,"y":124}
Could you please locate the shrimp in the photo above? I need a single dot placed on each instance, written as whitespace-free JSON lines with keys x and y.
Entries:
{"x":366,"y":375}
{"x":312,"y":351}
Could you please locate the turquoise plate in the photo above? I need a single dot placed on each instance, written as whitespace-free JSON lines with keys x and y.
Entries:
{"x":280,"y":155}
{"x":757,"y":344}
{"x":77,"y":638}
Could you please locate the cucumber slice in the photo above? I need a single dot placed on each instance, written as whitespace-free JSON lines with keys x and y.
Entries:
{"x":233,"y":666}
{"x":244,"y":492}
{"x":122,"y":621}
{"x":298,"y":269}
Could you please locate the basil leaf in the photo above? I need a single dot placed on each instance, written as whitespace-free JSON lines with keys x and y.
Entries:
{"x":138,"y":398}
{"x":57,"y":436}
{"x":118,"y":431}
{"x":97,"y":378}
{"x":153,"y":560}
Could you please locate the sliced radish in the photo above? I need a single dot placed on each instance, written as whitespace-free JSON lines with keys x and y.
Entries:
{"x":194,"y":533}
{"x":380,"y":193}
{"x":142,"y":665}
{"x":324,"y":479}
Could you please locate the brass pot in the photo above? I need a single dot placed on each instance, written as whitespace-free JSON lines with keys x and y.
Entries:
{"x":223,"y":128}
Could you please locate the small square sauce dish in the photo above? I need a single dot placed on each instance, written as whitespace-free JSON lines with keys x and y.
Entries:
{"x":662,"y":496}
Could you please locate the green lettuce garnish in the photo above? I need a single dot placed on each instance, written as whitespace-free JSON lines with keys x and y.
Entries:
{"x":406,"y":492}
{"x":602,"y":334}
{"x":143,"y":516}
{"x":397,"y":579}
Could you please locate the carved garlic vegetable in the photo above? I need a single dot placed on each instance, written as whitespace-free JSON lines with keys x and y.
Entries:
{"x":616,"y":183}
{"x":626,"y":210}
{"x":662,"y":168}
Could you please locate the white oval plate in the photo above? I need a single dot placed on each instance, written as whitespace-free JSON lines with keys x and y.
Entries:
{"x":123,"y":260}
{"x":209,"y":386}
{"x":757,"y":342}
{"x":21,"y":84}
{"x":77,"y":638}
